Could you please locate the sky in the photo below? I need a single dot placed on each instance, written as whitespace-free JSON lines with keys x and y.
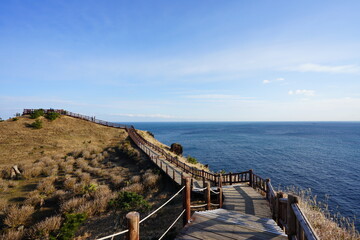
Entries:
{"x":129,"y":61}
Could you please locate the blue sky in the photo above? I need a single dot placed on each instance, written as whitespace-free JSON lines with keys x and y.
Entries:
{"x":182,"y":60}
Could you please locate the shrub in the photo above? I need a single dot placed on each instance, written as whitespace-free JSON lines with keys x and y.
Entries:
{"x":150,"y":180}
{"x":17,"y":216}
{"x":12,"y":234}
{"x":72,"y":205}
{"x":135,"y":187}
{"x":69,"y":184}
{"x":46,"y":186}
{"x":47,"y":226}
{"x":90,"y":188}
{"x":135,"y":179}
{"x":191,"y":160}
{"x":49,"y":171}
{"x":129,"y":201}
{"x":37,"y":113}
{"x":85,"y":178}
{"x":52,"y":115}
{"x":3,"y":204}
{"x":69,"y":227}
{"x":116,"y":180}
{"x":34,"y":171}
{"x":34,"y":198}
{"x":37,"y":124}
{"x":15,"y":119}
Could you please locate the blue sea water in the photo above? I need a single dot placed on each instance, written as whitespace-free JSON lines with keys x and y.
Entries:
{"x":323,"y":156}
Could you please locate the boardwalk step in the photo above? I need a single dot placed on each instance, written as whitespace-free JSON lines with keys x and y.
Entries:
{"x":246,"y":220}
{"x":224,"y":224}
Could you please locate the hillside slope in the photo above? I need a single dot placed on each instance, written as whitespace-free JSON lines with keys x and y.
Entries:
{"x":20,"y":143}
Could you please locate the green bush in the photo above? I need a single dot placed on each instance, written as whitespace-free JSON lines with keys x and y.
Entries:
{"x":129,"y":201}
{"x":37,"y":124}
{"x":192,"y":160}
{"x":15,"y":119}
{"x":37,"y":113}
{"x":69,"y":227}
{"x":52,"y":115}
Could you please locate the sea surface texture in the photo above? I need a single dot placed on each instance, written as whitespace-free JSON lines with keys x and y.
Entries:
{"x":323,"y":156}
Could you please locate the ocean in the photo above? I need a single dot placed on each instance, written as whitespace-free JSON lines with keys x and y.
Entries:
{"x":322,"y":156}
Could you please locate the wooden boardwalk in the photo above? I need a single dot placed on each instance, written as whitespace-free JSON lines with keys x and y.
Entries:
{"x":245,"y":215}
{"x":243,"y":198}
{"x":225,"y":224}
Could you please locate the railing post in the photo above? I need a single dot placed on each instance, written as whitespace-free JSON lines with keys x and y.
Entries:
{"x":220,"y":197}
{"x":220,"y":180}
{"x":291,"y":218}
{"x":207,"y":196}
{"x":174,"y":174}
{"x":251,"y":178}
{"x":133,"y":219}
{"x":277,"y":207}
{"x":267,"y":189}
{"x":230,"y":175}
{"x":166,"y":169}
{"x":186,"y":200}
{"x":204,"y":180}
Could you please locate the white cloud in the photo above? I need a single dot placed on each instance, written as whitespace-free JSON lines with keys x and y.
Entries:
{"x":275,"y":80}
{"x":304,"y":92}
{"x":310,"y":67}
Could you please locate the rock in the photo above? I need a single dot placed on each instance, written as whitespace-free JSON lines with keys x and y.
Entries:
{"x":15,"y":172}
{"x":176,"y":148}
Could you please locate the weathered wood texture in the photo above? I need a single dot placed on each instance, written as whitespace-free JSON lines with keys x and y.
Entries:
{"x":225,"y":224}
{"x":243,"y":198}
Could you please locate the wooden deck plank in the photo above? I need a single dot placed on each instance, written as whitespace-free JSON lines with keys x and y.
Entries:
{"x":245,"y":199}
{"x":216,"y":227}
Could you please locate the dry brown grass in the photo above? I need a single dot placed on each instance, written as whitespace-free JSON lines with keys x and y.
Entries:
{"x":16,"y":216}
{"x":135,"y":187}
{"x":116,"y":180}
{"x":21,"y":144}
{"x":325,"y":224}
{"x":3,"y":205}
{"x":12,"y":234}
{"x":153,"y":140}
{"x":72,"y":205}
{"x":150,"y":179}
{"x":34,"y":199}
{"x":45,"y":227}
{"x":69,"y":184}
{"x":135,"y":179}
{"x":46,"y":186}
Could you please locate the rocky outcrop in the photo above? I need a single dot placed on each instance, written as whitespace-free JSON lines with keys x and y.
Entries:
{"x":176,"y":148}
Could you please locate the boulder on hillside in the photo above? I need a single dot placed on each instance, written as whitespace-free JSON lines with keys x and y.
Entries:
{"x":176,"y":148}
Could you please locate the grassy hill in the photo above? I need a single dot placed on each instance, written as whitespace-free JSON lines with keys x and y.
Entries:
{"x":75,"y":171}
{"x":20,"y":143}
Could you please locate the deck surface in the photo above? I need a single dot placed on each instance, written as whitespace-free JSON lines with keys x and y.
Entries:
{"x":225,"y":224}
{"x":243,"y":198}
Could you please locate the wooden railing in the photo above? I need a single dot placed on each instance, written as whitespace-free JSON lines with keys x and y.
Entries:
{"x":80,"y":116}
